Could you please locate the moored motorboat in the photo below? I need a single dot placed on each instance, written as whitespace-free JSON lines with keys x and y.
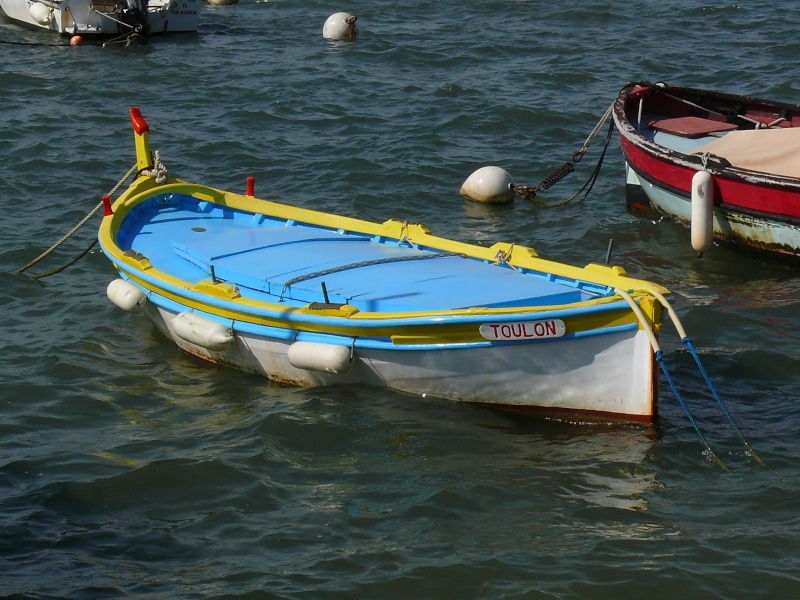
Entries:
{"x":724,"y":163}
{"x":311,"y":298}
{"x":105,"y":18}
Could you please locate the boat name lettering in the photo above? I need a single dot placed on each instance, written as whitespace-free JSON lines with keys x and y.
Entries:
{"x":523,"y":330}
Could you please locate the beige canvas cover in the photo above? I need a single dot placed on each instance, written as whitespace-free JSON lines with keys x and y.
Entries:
{"x":775,"y":151}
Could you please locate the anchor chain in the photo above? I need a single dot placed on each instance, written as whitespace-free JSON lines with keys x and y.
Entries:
{"x":529,"y":192}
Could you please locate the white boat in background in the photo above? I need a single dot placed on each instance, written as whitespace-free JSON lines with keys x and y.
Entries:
{"x":107,"y":18}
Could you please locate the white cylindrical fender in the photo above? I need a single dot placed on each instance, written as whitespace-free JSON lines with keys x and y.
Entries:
{"x":41,"y":13}
{"x":340,"y":26}
{"x":201,"y":331}
{"x":702,"y":224}
{"x":314,"y":356}
{"x":489,"y":184}
{"x":126,"y":296}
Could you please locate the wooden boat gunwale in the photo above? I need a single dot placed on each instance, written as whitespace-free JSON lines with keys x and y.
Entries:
{"x":694,"y":161}
{"x":240,"y":309}
{"x":596,"y":279}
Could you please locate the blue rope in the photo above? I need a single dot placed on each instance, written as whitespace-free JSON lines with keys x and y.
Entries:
{"x":660,"y":359}
{"x":691,"y":348}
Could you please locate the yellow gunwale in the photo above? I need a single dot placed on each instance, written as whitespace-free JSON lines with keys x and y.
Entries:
{"x":242,"y":308}
{"x":449,"y":333}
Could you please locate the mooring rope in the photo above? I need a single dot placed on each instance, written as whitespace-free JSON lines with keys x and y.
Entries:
{"x":750,"y":449}
{"x":13,"y":43}
{"x":529,"y":193}
{"x":72,"y":232}
{"x":688,"y":342}
{"x":158,"y":170}
{"x":717,"y":459}
{"x":126,"y":39}
{"x":659,"y":356}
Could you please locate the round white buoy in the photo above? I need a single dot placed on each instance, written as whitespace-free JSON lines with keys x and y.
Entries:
{"x":489,"y":184}
{"x":702,"y":224}
{"x":222,"y":2}
{"x":340,"y":26}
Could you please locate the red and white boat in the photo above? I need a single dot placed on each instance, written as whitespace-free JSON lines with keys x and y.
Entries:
{"x":728,"y":165}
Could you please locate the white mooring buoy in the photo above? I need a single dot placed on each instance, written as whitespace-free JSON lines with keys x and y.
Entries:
{"x":491,"y":185}
{"x":702,"y":224}
{"x":340,"y":26}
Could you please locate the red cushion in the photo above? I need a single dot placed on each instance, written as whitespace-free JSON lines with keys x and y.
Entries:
{"x":691,"y":127}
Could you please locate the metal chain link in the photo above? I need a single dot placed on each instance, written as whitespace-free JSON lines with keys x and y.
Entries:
{"x":529,"y":192}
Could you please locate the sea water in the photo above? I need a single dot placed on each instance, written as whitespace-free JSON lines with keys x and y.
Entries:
{"x":128,"y":468}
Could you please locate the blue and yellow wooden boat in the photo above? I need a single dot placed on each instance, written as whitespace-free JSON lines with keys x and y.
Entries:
{"x":310,"y":298}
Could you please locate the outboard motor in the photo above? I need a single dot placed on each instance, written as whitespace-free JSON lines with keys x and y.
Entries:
{"x":134,"y":14}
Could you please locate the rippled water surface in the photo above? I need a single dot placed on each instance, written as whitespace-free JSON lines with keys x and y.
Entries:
{"x":130,"y":469}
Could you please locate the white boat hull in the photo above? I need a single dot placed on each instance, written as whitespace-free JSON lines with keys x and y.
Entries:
{"x":84,"y":17}
{"x":605,"y":376}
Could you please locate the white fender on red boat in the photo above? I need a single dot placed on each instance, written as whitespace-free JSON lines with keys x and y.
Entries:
{"x":489,"y":184}
{"x":201,"y":331}
{"x":314,"y":356}
{"x":702,"y":223}
{"x":41,"y":14}
{"x":126,"y":296}
{"x":340,"y":26}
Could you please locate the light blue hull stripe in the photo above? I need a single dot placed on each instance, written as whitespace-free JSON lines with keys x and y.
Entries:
{"x":376,"y":323}
{"x":292,"y":335}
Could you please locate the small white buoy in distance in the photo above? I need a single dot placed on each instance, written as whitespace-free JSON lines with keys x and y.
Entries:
{"x":340,"y":26}
{"x":702,"y":225}
{"x":222,"y":2}
{"x":491,"y":185}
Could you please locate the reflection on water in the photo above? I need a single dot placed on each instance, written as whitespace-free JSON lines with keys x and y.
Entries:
{"x":130,"y":469}
{"x":607,"y":468}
